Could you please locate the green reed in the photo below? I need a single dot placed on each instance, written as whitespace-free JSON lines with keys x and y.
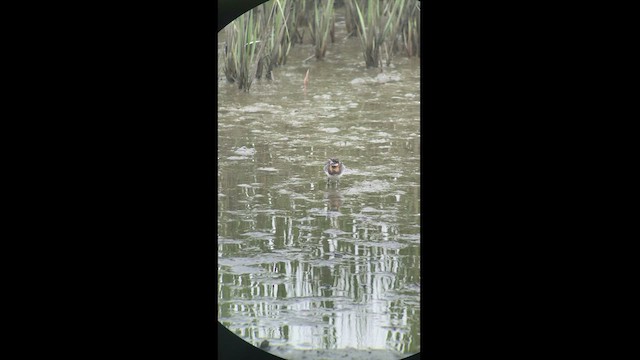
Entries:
{"x":378,"y":29}
{"x":322,"y":26}
{"x":352,"y":22}
{"x":256,"y":42}
{"x":261,"y":39}
{"x":299,"y":15}
{"x":280,"y":40}
{"x":276,"y":36}
{"x":410,"y":28}
{"x":241,"y":50}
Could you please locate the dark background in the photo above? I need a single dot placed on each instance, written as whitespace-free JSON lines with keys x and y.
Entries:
{"x":121,"y":151}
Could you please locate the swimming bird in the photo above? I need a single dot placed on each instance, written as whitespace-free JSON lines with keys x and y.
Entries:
{"x":334,"y":169}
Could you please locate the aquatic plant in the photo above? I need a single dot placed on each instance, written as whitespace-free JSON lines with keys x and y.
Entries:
{"x":352,"y":23}
{"x":410,"y":28}
{"x":322,"y":26}
{"x":241,"y":50}
{"x":278,"y":40}
{"x":378,"y":28}
{"x":261,"y":39}
{"x":256,"y":42}
{"x":299,"y":21}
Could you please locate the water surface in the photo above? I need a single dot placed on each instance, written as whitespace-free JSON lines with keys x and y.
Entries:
{"x":308,"y":265}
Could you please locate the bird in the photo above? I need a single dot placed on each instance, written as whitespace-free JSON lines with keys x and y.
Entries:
{"x":334,"y":169}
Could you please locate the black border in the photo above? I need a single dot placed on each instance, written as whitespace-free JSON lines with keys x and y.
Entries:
{"x":119,"y":164}
{"x":229,"y":345}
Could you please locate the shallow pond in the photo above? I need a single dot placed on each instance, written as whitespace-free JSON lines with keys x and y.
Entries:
{"x":308,"y":265}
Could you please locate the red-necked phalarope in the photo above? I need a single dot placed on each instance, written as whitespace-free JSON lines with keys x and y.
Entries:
{"x":334,"y":169}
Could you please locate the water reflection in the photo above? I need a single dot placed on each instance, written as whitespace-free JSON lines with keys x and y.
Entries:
{"x":308,"y":265}
{"x":326,"y":301}
{"x":334,"y":198}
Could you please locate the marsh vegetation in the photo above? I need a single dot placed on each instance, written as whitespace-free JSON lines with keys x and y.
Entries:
{"x":260,"y":40}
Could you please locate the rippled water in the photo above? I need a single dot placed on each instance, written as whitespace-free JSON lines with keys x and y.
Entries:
{"x":308,"y":265}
